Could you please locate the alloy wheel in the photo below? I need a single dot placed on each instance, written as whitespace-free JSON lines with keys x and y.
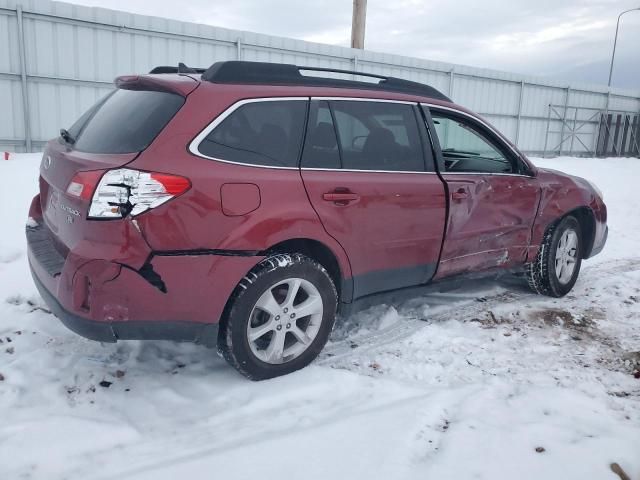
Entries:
{"x":566,"y":256}
{"x":285,"y":320}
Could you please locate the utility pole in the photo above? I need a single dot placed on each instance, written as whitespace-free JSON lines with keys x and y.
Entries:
{"x":615,"y":39}
{"x":358,"y":23}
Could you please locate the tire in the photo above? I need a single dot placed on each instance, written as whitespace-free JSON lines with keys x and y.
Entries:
{"x":252,"y":311}
{"x":545,"y":274}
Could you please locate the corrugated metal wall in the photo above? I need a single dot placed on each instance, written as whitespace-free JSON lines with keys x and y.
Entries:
{"x":56,"y":59}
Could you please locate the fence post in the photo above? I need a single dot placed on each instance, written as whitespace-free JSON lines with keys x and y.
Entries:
{"x":596,"y":135}
{"x":607,"y":124}
{"x":546,"y":137}
{"x":23,"y":80}
{"x":519,"y":112}
{"x":637,"y":136}
{"x":451,"y":79}
{"x":573,"y":132}
{"x":564,"y":120}
{"x":239,"y":48}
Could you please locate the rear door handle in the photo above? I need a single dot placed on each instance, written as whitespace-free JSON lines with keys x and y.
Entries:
{"x":459,"y":194}
{"x":340,"y":197}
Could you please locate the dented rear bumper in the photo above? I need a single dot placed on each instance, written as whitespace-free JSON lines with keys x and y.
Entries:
{"x":173,"y":295}
{"x":105,"y":331}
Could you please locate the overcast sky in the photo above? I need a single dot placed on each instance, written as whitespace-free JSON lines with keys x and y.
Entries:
{"x":566,"y":39}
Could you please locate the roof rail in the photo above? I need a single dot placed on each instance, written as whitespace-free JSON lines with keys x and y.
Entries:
{"x":242,"y":72}
{"x":181,"y":68}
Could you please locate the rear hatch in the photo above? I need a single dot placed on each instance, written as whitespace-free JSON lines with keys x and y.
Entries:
{"x":109,"y":135}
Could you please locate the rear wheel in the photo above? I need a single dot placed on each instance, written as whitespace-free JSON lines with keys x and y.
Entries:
{"x":279,"y":318}
{"x":555,"y":270}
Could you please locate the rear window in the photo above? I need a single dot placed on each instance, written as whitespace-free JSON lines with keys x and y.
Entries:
{"x":265,"y":133}
{"x":126,"y":121}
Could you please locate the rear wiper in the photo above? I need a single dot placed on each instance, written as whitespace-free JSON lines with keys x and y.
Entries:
{"x":66,"y":136}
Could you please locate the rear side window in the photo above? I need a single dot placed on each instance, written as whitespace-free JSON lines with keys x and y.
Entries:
{"x":127,"y":121}
{"x":378,"y":136}
{"x":265,"y":133}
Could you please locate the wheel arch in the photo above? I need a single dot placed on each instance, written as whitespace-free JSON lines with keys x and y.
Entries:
{"x":587,"y":220}
{"x":325,"y":256}
{"x":337,"y":266}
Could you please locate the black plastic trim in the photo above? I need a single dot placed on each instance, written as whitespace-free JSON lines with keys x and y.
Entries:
{"x":392,"y":279}
{"x":41,"y":244}
{"x":427,"y":151}
{"x":181,"y":68}
{"x":398,"y":296}
{"x":150,"y":275}
{"x":207,"y":251}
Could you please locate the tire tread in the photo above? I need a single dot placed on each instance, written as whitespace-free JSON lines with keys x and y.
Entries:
{"x":539,"y":275}
{"x":266,"y":266}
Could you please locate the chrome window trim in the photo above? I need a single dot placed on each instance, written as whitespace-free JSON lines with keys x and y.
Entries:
{"x":486,"y":174}
{"x":195,"y":143}
{"x":365,"y":99}
{"x":488,"y":127}
{"x":353,"y":170}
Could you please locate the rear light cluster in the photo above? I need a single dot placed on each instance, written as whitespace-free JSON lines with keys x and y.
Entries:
{"x":124,"y":191}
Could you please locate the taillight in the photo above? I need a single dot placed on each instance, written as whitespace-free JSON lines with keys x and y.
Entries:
{"x":125,"y":192}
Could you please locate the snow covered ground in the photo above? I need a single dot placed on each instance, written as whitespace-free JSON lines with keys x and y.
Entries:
{"x":486,"y":381}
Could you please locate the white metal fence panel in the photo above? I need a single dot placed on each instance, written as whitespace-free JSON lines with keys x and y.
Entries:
{"x":56,"y":59}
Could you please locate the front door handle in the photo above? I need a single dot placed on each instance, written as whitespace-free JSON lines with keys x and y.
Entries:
{"x":341,"y":197}
{"x":459,"y":194}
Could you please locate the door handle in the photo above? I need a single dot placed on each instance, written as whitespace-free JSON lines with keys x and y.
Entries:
{"x":340,"y":197}
{"x":459,"y":194}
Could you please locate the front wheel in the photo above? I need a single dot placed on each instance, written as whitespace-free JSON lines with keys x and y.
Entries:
{"x":279,"y":317}
{"x":555,"y":270}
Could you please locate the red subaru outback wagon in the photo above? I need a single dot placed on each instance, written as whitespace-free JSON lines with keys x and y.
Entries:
{"x":241,"y":206}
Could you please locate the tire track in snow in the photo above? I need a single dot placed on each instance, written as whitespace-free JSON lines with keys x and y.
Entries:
{"x":258,"y":426}
{"x":407,"y":326}
{"x":145,"y":452}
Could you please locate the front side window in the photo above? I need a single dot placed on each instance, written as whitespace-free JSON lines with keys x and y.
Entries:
{"x":378,"y":136}
{"x":264,"y":133}
{"x":466,"y":149}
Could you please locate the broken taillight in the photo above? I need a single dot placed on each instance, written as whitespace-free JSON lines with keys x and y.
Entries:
{"x":125,"y":191}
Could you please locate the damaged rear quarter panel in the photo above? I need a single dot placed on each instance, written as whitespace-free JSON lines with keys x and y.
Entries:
{"x":196,"y":220}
